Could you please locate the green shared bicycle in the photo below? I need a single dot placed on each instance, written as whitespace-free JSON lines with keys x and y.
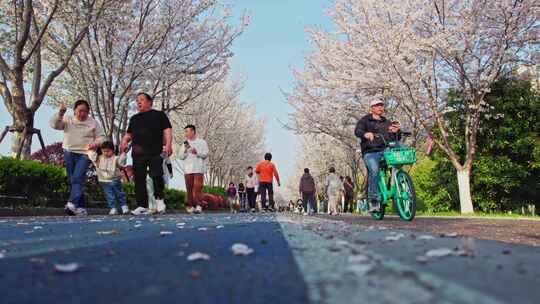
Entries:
{"x":395,"y":183}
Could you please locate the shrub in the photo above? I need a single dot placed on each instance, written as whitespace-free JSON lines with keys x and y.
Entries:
{"x":215,"y":190}
{"x":430,"y":195}
{"x":38,"y":182}
{"x":47,"y":185}
{"x":52,"y":154}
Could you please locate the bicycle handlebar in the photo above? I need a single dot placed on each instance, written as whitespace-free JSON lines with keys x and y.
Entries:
{"x":404,"y":134}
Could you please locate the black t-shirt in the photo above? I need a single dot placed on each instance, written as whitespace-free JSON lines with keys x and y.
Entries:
{"x":146,"y":129}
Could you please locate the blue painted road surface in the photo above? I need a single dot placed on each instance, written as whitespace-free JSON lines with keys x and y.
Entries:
{"x":289,"y":259}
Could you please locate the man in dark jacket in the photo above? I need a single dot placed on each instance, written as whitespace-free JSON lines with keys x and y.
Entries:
{"x":374,"y":130}
{"x":307,"y":191}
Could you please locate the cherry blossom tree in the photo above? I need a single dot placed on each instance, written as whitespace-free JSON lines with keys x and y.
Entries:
{"x":155,"y":46}
{"x":234,"y":133}
{"x":412,"y":52}
{"x":38,"y":41}
{"x":319,"y":152}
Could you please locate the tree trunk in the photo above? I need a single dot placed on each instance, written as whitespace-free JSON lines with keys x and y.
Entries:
{"x":464,"y":186}
{"x":23,"y":122}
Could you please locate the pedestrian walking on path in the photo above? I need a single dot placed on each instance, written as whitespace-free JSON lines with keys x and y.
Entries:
{"x":334,"y":189}
{"x":109,"y":173}
{"x":150,"y":132}
{"x":194,"y":157}
{"x":307,"y":190}
{"x":242,"y":197}
{"x":80,"y":133}
{"x":231,"y":197}
{"x":251,"y":187}
{"x":348,"y":185}
{"x":267,"y":171}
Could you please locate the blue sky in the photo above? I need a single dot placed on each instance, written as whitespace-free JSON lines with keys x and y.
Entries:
{"x":274,"y":41}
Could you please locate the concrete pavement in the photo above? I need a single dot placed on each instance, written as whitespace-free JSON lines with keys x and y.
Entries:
{"x":295,"y":259}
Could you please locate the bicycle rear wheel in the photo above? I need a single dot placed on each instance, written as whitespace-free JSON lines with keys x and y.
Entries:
{"x":405,"y":197}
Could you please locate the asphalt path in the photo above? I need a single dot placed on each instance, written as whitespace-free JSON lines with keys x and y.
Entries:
{"x":293,"y":259}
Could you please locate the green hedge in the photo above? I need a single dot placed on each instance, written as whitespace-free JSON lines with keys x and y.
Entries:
{"x":47,"y":185}
{"x":215,"y":190}
{"x":40,"y":183}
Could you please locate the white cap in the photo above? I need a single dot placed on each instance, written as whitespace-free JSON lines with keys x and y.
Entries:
{"x":376,"y":101}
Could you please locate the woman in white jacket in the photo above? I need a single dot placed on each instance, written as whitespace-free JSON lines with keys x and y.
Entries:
{"x":80,"y":132}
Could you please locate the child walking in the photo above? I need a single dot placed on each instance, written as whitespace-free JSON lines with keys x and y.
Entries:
{"x":108,"y":169}
{"x":231,"y":197}
{"x":242,"y":197}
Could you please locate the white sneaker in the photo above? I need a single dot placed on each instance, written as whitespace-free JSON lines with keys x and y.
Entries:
{"x":81,"y":212}
{"x":161,"y":206}
{"x":125,"y":209}
{"x":70,"y":208}
{"x":139,"y":211}
{"x":198,"y":209}
{"x":113,"y":211}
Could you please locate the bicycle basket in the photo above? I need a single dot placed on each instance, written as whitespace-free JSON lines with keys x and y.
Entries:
{"x":400,"y":156}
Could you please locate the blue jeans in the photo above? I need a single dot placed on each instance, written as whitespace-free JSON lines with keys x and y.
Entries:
{"x":76,"y":166}
{"x":113,"y":193}
{"x":308,"y":201}
{"x":372,"y":161}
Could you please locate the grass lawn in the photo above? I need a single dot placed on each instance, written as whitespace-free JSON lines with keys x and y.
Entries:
{"x":478,"y":214}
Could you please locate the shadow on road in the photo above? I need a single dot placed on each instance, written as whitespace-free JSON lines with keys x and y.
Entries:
{"x":140,"y":266}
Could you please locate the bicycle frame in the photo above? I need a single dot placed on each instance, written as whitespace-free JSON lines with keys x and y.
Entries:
{"x":387,"y":193}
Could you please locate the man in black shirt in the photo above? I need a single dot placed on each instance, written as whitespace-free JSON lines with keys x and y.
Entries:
{"x":151,"y":133}
{"x":371,"y":129}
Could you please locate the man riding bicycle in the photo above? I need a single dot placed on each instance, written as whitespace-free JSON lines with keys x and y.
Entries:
{"x":374,"y":131}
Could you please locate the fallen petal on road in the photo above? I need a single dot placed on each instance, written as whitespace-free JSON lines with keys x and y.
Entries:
{"x":198,"y":256}
{"x":241,"y":249}
{"x":359,"y":258}
{"x":107,"y":232}
{"x":66,"y":268}
{"x":440,"y":252}
{"x":396,"y":237}
{"x":360,"y":269}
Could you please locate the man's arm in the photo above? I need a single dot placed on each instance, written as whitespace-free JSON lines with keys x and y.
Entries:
{"x":360,"y":129}
{"x":125,"y":142}
{"x":121,"y":160}
{"x":276,"y":175}
{"x":167,"y":138}
{"x":184,"y":154}
{"x":203,"y":152}
{"x":362,"y":132}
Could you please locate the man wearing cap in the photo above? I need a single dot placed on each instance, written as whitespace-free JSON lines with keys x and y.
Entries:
{"x":371,"y":129}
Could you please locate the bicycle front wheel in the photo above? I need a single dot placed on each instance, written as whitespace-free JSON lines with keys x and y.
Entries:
{"x":379,"y":215}
{"x":405,"y":197}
